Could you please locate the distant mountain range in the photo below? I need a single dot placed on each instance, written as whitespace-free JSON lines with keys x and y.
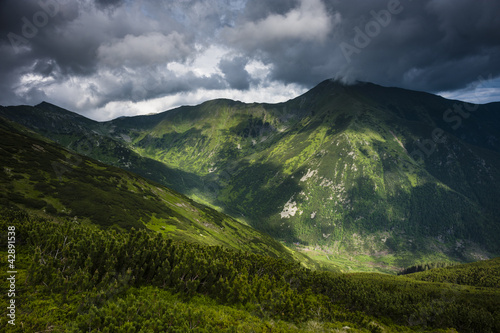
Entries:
{"x":357,"y":176}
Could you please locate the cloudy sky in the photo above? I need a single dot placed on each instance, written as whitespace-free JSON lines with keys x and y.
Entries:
{"x":108,"y":58}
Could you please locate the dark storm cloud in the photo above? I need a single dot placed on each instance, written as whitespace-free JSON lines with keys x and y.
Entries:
{"x":426,"y":45}
{"x":108,"y":3}
{"x":89,"y":53}
{"x":56,"y":38}
{"x":234,"y":72}
{"x":260,"y":9}
{"x":36,"y":39}
{"x":431,"y":45}
{"x":149,"y":85}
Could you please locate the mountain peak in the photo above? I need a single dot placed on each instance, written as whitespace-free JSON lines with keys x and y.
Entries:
{"x":51,"y":107}
{"x":44,"y":103}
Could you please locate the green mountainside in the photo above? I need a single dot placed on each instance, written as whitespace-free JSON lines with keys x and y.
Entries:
{"x":337,"y":177}
{"x":86,"y":137}
{"x":44,"y":178}
{"x":363,"y":177}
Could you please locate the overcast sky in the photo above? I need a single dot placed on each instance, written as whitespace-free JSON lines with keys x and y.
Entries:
{"x":109,"y":58}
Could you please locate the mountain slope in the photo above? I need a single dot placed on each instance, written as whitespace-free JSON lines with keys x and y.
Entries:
{"x":354,"y":169}
{"x":340,"y":171}
{"x":89,"y":138}
{"x":40,"y":176}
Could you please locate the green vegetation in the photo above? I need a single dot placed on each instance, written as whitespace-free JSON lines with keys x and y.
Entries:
{"x":424,"y":267}
{"x":333,"y":169}
{"x":351,"y":172}
{"x":51,"y":181}
{"x":479,"y":274}
{"x":74,"y":277}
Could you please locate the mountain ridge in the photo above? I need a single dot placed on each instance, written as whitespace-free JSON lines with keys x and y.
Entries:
{"x":342,"y":170}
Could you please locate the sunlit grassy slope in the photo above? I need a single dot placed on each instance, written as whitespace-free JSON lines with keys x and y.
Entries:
{"x":48,"y":180}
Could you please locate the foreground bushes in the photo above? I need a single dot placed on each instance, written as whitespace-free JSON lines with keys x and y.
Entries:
{"x":79,"y":277}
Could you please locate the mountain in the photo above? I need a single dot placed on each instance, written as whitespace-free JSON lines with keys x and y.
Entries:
{"x":361,"y":176}
{"x":40,"y":176}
